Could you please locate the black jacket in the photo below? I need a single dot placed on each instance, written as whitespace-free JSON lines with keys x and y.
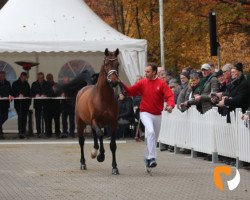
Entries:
{"x":5,"y":91}
{"x":41,"y":89}
{"x":238,"y":91}
{"x":20,"y":87}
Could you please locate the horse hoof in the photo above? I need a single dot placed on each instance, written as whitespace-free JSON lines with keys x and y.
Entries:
{"x":101,"y":157}
{"x":115,"y":171}
{"x":93,"y":153}
{"x":83,"y":167}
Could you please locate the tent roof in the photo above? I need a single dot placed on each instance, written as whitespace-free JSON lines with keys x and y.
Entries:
{"x":58,"y":25}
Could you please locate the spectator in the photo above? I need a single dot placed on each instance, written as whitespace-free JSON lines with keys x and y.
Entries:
{"x":68,"y":111}
{"x":237,"y":94}
{"x":21,"y":88}
{"x":41,"y":89}
{"x":209,"y":84}
{"x":5,"y":92}
{"x":54,"y":107}
{"x":246,"y":117}
{"x":193,"y":89}
{"x":175,"y":87}
{"x":137,"y":99}
{"x":226,"y":69}
{"x":126,"y":114}
{"x":153,"y":90}
{"x":215,"y":97}
{"x":183,"y":95}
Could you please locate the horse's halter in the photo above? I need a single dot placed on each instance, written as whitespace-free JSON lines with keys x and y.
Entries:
{"x":112,"y":71}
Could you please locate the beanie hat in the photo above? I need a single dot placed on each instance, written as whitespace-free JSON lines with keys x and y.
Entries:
{"x":219,"y":73}
{"x":239,"y":67}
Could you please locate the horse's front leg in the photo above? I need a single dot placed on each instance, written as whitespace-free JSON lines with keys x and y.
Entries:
{"x":80,"y":129}
{"x":96,"y":146}
{"x":82,"y":160}
{"x":113,"y":147}
{"x":99,"y":134}
{"x":101,"y":155}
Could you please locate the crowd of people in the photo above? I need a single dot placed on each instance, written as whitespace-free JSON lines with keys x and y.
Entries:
{"x":226,"y":88}
{"x":46,"y":109}
{"x":204,"y":88}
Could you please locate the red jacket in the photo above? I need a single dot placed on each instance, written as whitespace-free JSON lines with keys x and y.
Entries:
{"x":153,"y":93}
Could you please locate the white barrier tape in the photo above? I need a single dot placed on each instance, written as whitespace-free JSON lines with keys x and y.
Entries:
{"x":74,"y":141}
{"x":23,"y":98}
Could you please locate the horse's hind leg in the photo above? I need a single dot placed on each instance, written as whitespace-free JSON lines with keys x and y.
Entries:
{"x":80,"y":129}
{"x":113,"y":147}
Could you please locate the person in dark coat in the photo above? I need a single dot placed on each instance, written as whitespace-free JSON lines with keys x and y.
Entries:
{"x":69,"y":89}
{"x":54,"y":107}
{"x":40,"y":89}
{"x":237,"y":94}
{"x":126,"y":113}
{"x":21,"y":88}
{"x":5,"y":92}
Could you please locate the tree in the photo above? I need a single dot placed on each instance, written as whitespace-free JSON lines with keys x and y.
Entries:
{"x":186,"y":28}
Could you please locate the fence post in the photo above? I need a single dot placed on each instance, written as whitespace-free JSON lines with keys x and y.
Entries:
{"x":176,"y":149}
{"x":214,"y":153}
{"x":193,"y":153}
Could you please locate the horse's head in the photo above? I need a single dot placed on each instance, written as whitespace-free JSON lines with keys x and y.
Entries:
{"x":111,"y":67}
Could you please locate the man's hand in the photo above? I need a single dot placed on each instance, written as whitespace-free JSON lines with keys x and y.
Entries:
{"x":10,"y":98}
{"x":221,"y":103}
{"x":197,"y":97}
{"x":169,"y":109}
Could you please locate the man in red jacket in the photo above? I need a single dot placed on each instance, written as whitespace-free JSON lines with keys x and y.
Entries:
{"x":153,"y":92}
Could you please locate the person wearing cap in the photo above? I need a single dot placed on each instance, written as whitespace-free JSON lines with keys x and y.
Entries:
{"x":153,"y":91}
{"x":226,"y":69}
{"x":5,"y":92}
{"x":209,"y":84}
{"x":237,"y":94}
{"x":21,"y":89}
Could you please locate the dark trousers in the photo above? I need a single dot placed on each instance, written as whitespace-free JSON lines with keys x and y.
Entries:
{"x":68,"y":112}
{"x":42,"y":113}
{"x":54,"y":115}
{"x":22,"y":114}
{"x":3,"y":117}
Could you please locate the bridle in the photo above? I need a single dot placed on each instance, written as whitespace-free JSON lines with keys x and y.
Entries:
{"x":110,"y":72}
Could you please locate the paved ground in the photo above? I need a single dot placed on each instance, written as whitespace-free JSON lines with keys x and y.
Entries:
{"x":51,"y":171}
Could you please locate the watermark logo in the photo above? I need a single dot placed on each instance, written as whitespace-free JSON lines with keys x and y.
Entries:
{"x":232,"y":184}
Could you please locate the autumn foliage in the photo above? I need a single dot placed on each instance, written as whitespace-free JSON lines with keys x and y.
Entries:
{"x":185,"y":26}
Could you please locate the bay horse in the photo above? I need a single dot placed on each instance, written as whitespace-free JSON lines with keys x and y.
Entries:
{"x":97,"y":106}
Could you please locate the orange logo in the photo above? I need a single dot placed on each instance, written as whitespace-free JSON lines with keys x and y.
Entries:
{"x":232,"y":184}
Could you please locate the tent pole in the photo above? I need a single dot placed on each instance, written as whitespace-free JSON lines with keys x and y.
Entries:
{"x":37,"y":61}
{"x":161,"y":33}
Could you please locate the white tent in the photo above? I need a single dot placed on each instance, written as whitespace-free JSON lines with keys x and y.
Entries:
{"x":35,"y":28}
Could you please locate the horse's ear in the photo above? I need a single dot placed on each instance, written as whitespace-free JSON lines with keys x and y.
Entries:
{"x":116,"y":52}
{"x":106,"y":52}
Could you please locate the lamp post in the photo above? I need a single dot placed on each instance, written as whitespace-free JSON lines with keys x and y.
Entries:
{"x":162,"y":34}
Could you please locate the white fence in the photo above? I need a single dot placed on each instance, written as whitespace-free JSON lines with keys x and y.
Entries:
{"x":208,"y":133}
